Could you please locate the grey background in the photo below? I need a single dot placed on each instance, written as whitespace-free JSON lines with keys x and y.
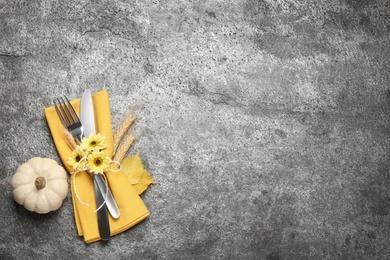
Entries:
{"x":266,"y":123}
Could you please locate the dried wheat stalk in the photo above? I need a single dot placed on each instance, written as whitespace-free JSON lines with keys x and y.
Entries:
{"x":70,"y":140}
{"x":125,"y":147}
{"x":122,"y":129}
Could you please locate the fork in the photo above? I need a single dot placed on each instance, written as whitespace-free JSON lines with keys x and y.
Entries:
{"x":71,"y":121}
{"x":69,"y":118}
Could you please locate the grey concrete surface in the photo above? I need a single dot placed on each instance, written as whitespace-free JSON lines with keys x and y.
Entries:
{"x":266,"y":123}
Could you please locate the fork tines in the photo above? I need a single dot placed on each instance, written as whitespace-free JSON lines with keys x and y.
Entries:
{"x":65,"y":111}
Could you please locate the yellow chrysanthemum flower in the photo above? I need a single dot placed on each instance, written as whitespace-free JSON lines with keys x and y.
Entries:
{"x":98,"y":162}
{"x":93,"y":142}
{"x":75,"y":160}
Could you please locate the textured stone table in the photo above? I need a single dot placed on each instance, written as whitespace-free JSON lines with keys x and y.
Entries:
{"x":265,"y":123}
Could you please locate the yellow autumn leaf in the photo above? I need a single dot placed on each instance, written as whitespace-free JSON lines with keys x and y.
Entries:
{"x":144,"y":183}
{"x":134,"y":170}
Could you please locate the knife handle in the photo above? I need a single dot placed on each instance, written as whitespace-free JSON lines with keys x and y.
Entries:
{"x":102,"y":215}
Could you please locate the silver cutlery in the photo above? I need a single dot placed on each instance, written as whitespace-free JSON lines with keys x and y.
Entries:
{"x":77,"y":128}
{"x":71,"y":121}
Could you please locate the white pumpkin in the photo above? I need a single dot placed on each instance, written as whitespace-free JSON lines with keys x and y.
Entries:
{"x":40,"y":185}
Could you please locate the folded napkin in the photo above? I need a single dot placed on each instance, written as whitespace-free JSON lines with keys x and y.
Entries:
{"x":132,"y":208}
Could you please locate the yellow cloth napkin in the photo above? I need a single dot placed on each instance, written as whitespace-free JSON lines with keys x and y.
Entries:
{"x":132,"y":208}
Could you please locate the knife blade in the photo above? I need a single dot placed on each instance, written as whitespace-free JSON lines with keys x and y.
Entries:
{"x":86,"y":113}
{"x":87,"y":118}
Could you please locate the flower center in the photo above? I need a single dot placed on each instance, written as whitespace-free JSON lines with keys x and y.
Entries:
{"x":93,"y":143}
{"x":98,"y":161}
{"x":78,"y":158}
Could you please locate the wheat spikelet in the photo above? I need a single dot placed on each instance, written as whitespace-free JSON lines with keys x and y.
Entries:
{"x":70,"y":140}
{"x":122,"y":129}
{"x":125,"y":147}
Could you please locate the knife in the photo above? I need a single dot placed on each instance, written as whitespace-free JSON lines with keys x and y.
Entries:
{"x":87,"y":119}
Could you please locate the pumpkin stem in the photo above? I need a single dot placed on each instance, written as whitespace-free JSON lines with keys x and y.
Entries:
{"x":40,"y":182}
